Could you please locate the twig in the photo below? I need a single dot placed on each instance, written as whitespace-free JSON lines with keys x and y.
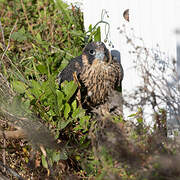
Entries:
{"x":24,"y":10}
{"x":45,"y":155}
{"x":19,"y":75}
{"x":43,"y":150}
{"x":79,"y":87}
{"x":17,"y":134}
{"x":7,"y":47}
{"x":11,"y":171}
{"x":57,"y":49}
{"x":4,"y":151}
{"x":76,"y":79}
{"x":2,"y":32}
{"x":2,"y":177}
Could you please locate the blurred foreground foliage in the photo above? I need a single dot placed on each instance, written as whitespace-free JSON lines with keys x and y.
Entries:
{"x":38,"y":38}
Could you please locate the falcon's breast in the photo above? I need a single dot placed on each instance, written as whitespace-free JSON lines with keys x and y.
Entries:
{"x":100,"y":78}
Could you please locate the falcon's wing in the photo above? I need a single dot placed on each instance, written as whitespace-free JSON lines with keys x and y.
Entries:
{"x":75,"y":65}
{"x":119,"y":75}
{"x":116,"y":60}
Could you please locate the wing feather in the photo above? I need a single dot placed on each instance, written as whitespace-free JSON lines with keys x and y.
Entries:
{"x":75,"y":65}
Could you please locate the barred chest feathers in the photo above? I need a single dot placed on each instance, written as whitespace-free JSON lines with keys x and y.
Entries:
{"x":100,"y":79}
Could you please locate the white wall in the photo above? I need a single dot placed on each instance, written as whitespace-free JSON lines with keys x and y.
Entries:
{"x":155,"y":22}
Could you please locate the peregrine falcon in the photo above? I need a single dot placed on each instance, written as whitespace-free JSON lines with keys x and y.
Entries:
{"x":97,"y":72}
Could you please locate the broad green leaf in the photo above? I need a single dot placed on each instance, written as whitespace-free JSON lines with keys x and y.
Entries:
{"x":44,"y":162}
{"x":97,"y":36}
{"x":60,"y":98}
{"x":81,"y":113}
{"x":74,"y":105}
{"x":63,"y":155}
{"x":63,"y":124}
{"x":38,"y":38}
{"x":132,"y":115}
{"x":67,"y":110}
{"x":19,"y":36}
{"x":140,"y":120}
{"x":75,"y":113}
{"x":56,"y":156}
{"x":36,"y":84}
{"x":36,"y":89}
{"x":84,"y":122}
{"x":22,"y":30}
{"x":19,"y":86}
{"x":64,"y":63}
{"x":90,"y":27}
{"x":51,"y":112}
{"x":78,"y":113}
{"x":85,"y":145}
{"x":46,"y":88}
{"x":69,"y":89}
{"x":26,"y":104}
{"x":82,"y":139}
{"x":42,"y":69}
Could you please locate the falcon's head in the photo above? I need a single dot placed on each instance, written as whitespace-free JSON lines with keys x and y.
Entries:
{"x":96,"y":50}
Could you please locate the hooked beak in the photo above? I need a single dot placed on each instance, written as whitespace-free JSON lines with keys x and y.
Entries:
{"x":100,"y":55}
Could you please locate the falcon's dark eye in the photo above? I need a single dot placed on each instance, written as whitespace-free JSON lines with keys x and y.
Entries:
{"x":92,"y":52}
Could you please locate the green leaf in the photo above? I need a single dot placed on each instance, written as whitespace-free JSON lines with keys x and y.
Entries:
{"x":90,"y":27}
{"x":63,"y":124}
{"x":75,"y":113}
{"x":97,"y":36}
{"x":132,"y":115}
{"x":56,"y":156}
{"x":38,"y":38}
{"x":67,"y":110}
{"x":81,"y":113}
{"x":69,"y":89}
{"x":44,"y":162}
{"x":60,"y":98}
{"x":84,"y":122}
{"x":74,"y":105}
{"x":51,"y":112}
{"x":19,"y":86}
{"x":26,"y":104}
{"x":36,"y":84}
{"x":78,"y":113}
{"x":19,"y":36}
{"x":36,"y":89}
{"x":63,"y":7}
{"x":42,"y":69}
{"x":63,"y":155}
{"x":140,"y":120}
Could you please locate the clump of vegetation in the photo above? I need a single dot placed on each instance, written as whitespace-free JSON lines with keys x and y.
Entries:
{"x":38,"y":38}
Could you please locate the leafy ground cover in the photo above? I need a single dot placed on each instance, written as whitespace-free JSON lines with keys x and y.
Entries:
{"x":38,"y":38}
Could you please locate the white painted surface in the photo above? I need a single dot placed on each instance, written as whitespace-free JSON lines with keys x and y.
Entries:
{"x":155,"y":21}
